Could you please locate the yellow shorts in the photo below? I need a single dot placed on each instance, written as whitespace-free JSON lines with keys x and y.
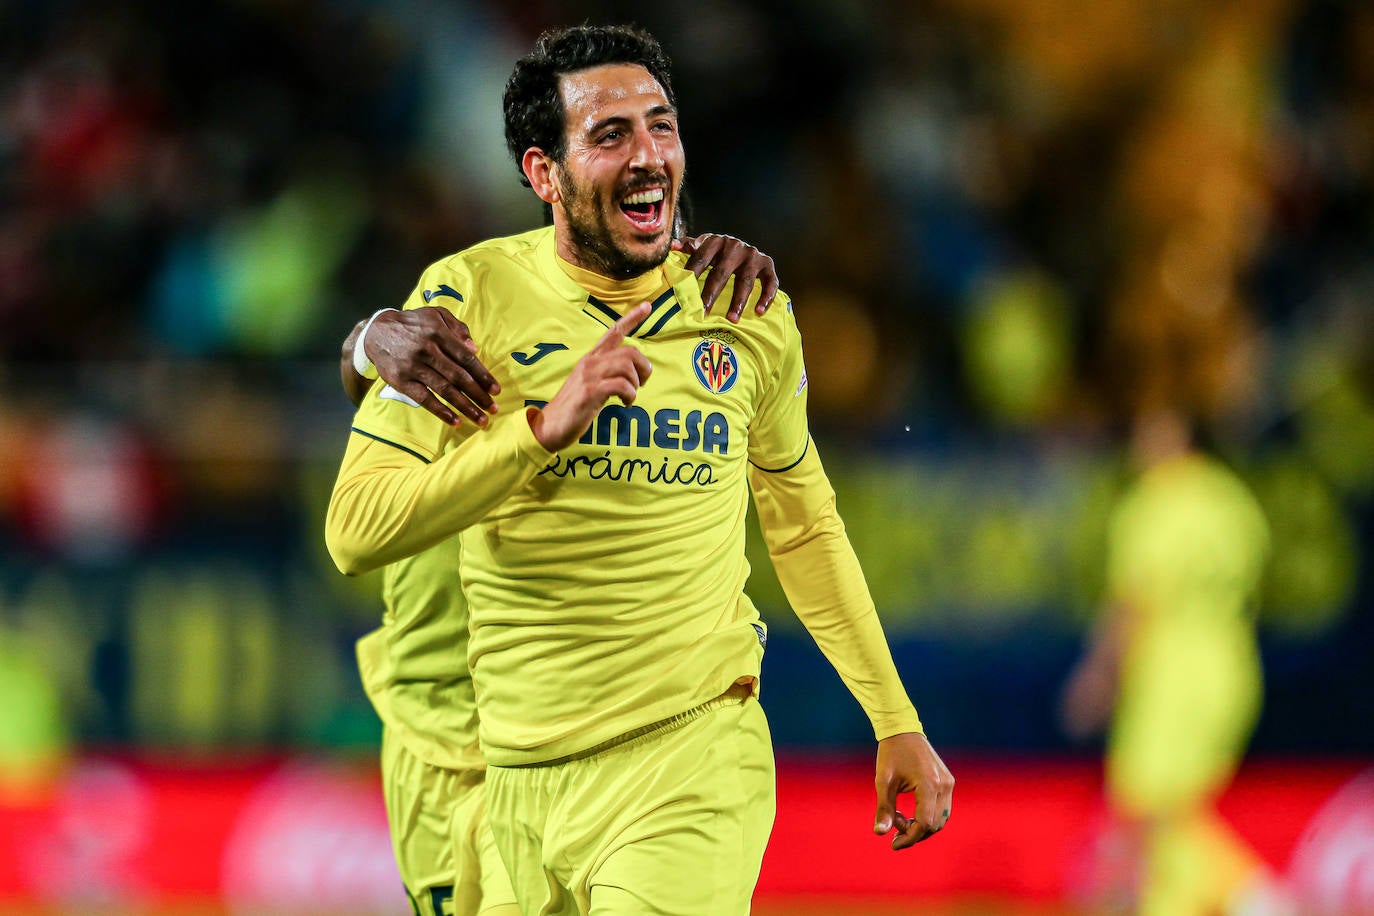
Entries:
{"x":674,"y":821}
{"x":441,"y":837}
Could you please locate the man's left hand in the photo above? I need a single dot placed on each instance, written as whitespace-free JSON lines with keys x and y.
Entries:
{"x":907,"y":763}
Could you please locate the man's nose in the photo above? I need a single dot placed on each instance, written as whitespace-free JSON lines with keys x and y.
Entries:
{"x":646,"y":153}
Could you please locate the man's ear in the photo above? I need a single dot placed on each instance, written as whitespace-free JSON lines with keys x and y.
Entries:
{"x":539,"y":171}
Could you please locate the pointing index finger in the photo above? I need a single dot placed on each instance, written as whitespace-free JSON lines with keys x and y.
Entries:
{"x":625,"y":325}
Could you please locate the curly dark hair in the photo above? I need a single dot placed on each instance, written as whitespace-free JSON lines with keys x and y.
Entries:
{"x":532,"y":101}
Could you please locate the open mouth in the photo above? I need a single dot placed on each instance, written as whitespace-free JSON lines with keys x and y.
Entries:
{"x":644,"y":209}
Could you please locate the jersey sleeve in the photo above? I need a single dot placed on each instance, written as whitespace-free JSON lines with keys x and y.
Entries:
{"x":778,"y":434}
{"x":390,"y":502}
{"x":408,"y":480}
{"x":824,"y":583}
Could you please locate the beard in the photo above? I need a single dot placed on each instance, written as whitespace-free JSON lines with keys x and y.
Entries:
{"x":591,"y":230}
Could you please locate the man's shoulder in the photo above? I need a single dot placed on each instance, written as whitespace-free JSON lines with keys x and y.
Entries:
{"x":777,"y":320}
{"x":520,"y":247}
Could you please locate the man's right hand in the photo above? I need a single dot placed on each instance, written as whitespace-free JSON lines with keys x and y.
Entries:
{"x":427,"y":354}
{"x":611,"y":368}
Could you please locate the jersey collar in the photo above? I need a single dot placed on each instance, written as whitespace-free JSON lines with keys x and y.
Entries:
{"x":684,"y":282}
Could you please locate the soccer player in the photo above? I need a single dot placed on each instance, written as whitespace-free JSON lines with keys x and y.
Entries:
{"x":414,"y":667}
{"x":1175,"y":667}
{"x":615,"y":656}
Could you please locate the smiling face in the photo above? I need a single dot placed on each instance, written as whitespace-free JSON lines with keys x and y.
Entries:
{"x":615,"y":193}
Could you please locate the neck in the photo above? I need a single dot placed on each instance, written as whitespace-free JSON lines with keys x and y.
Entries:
{"x":616,"y":291}
{"x":584,"y":247}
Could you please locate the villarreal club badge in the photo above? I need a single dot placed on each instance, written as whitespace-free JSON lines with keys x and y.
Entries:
{"x":716,"y":365}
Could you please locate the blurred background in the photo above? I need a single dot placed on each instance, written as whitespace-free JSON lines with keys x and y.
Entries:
{"x":1009,"y":226}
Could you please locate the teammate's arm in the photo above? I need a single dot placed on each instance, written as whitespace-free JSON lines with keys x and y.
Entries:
{"x":1089,"y":693}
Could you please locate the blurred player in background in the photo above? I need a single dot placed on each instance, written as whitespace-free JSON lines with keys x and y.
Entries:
{"x":414,"y":666}
{"x":615,"y":657}
{"x":1174,"y":666}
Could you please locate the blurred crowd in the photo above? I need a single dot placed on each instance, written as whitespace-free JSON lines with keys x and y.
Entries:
{"x":1010,"y":226}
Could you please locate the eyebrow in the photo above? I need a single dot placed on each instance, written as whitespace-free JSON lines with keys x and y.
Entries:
{"x":654,"y":112}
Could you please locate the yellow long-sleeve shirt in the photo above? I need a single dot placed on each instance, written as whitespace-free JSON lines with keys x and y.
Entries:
{"x":606,"y":582}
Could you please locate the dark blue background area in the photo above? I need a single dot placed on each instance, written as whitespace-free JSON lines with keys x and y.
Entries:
{"x":1002,"y":696}
{"x":985,"y":691}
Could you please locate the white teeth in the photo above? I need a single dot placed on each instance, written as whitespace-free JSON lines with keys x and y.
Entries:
{"x":645,"y":197}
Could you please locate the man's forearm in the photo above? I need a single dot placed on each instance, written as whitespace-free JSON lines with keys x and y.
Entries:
{"x":825,"y":587}
{"x":824,"y":583}
{"x":355,"y":386}
{"x":389,"y":503}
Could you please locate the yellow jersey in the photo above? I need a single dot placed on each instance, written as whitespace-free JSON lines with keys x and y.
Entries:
{"x":1188,"y":544}
{"x":414,"y":666}
{"x":606,"y":582}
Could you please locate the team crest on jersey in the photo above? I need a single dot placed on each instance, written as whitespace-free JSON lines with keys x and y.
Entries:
{"x":716,"y":366}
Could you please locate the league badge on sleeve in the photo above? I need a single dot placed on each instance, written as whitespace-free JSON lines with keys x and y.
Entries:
{"x":716,"y":365}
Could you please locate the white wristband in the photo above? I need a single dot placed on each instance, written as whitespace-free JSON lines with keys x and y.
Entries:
{"x":361,"y":363}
